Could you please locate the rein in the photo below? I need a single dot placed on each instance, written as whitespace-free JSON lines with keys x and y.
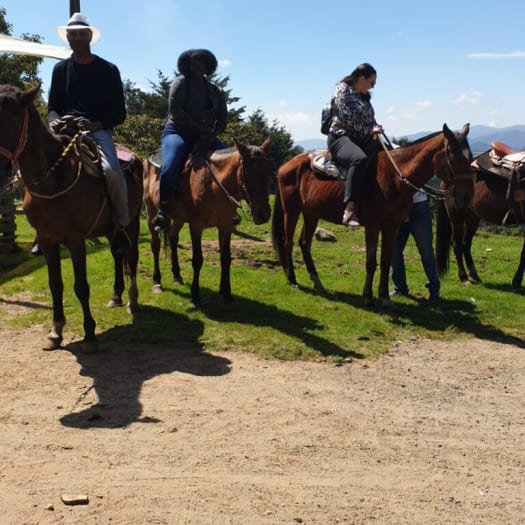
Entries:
{"x":426,"y":189}
{"x":230,"y":197}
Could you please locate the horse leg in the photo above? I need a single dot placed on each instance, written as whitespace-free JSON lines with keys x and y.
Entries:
{"x":305,"y":243}
{"x":56,"y":286}
{"x":118,"y":282}
{"x":518,"y":276}
{"x":131,"y":261}
{"x":470,"y":231}
{"x":196,"y":262}
{"x":155,"y":250}
{"x":458,"y":245}
{"x":289,"y":215}
{"x":81,"y":287}
{"x":388,"y":237}
{"x":371,"y":240}
{"x":226,"y":262}
{"x":174,"y":245}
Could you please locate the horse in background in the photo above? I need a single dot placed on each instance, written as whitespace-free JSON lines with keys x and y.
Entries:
{"x":65,"y":201}
{"x":498,"y":199}
{"x":386,"y":202}
{"x":208,"y":195}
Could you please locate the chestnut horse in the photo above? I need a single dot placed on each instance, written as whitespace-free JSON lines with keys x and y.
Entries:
{"x":65,"y":204}
{"x":385,"y":205}
{"x":209,"y":194}
{"x":457,"y":227}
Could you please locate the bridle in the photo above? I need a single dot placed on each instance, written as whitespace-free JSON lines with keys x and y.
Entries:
{"x":244,"y":187}
{"x":21,"y":141}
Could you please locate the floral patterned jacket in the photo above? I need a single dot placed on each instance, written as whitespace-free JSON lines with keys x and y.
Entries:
{"x":352,"y":114}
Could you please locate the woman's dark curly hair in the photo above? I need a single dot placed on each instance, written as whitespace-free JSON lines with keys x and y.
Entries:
{"x":207,"y":57}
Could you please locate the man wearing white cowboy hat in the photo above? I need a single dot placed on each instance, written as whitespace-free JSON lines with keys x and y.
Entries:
{"x":89,"y":88}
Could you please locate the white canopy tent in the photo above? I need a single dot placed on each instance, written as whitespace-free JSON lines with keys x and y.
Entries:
{"x":16,"y":46}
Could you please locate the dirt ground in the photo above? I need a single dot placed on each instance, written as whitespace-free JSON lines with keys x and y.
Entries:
{"x":431,"y":433}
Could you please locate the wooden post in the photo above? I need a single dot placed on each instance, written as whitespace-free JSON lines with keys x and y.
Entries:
{"x":74,"y":7}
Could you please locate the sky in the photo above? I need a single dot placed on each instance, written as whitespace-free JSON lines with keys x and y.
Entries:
{"x":437,"y":62}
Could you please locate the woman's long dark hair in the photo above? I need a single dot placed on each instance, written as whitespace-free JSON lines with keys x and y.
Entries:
{"x":362,"y":70}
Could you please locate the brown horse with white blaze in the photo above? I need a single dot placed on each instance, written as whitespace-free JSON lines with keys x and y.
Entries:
{"x":66,"y":204}
{"x":385,"y":205}
{"x":208,"y":195}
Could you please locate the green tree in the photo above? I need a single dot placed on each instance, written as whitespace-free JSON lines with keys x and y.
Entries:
{"x":19,"y":70}
{"x":147,"y":110}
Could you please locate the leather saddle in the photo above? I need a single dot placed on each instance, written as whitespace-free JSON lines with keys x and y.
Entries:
{"x":322,"y":164}
{"x":504,"y":162}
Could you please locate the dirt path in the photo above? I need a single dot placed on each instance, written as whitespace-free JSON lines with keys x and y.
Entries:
{"x":430,"y":433}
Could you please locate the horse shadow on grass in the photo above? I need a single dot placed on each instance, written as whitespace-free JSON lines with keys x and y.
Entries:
{"x":127,"y":358}
{"x":446,"y":315}
{"x":256,"y":313}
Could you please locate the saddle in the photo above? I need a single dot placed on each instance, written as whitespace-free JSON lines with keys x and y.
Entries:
{"x":504,"y":162}
{"x":322,"y":164}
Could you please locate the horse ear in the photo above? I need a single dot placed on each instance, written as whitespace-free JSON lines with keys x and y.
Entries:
{"x":465,"y":129}
{"x":447,"y":132}
{"x":266,"y":144}
{"x":28,"y":96}
{"x":243,"y":150}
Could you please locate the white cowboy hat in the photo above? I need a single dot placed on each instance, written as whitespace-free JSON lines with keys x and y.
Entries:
{"x":78,"y":21}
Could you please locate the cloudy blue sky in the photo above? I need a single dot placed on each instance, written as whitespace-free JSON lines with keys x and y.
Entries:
{"x":437,"y":61}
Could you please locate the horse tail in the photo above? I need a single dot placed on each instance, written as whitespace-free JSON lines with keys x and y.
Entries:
{"x":443,"y":239}
{"x":278,"y":225}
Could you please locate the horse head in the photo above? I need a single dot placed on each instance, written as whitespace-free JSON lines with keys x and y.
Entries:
{"x":14,"y":121}
{"x":255,"y":175}
{"x":453,"y":166}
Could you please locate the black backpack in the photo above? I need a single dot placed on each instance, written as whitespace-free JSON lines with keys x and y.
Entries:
{"x":326,"y":117}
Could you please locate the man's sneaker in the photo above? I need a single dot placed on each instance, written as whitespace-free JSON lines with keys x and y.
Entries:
{"x":397,"y":292}
{"x":35,"y":250}
{"x":160,"y":222}
{"x":120,"y":242}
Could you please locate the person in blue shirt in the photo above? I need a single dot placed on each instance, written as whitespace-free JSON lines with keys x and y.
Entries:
{"x":352,"y":132}
{"x":419,"y":224}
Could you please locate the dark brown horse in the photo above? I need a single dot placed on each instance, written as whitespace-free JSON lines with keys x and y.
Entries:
{"x":384,"y":207}
{"x":65,"y":205}
{"x":209,"y":195}
{"x":457,"y":227}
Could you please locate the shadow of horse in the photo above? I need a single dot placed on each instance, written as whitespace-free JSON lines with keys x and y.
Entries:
{"x":119,"y":377}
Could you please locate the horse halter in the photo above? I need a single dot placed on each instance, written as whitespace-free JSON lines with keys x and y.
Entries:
{"x":21,"y":142}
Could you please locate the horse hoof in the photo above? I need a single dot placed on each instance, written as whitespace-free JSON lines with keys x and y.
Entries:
{"x":385,"y":302}
{"x":53,"y":343}
{"x":178,"y":281}
{"x":89,"y":347}
{"x":156,"y":288}
{"x":115,"y":303}
{"x":368,"y":301}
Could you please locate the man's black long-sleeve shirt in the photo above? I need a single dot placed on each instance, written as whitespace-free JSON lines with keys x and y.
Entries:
{"x":91,"y":90}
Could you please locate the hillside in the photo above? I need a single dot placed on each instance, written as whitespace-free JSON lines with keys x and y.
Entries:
{"x":479,"y":137}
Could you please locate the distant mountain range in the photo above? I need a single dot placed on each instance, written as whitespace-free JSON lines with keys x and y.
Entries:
{"x":479,"y":138}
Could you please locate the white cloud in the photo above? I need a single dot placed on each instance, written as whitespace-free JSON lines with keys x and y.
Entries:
{"x":496,"y":56}
{"x":423,"y":104}
{"x":283,"y":103}
{"x":472,"y":98}
{"x":224,"y":62}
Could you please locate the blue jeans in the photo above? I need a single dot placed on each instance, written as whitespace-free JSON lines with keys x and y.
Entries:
{"x":419,"y":224}
{"x":176,"y":145}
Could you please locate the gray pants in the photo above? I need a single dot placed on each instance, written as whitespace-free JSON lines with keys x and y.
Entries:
{"x":115,"y":181}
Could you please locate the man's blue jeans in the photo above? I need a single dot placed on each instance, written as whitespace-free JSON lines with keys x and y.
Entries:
{"x":419,"y":224}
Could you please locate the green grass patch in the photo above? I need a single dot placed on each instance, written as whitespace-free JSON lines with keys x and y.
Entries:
{"x":268,"y":317}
